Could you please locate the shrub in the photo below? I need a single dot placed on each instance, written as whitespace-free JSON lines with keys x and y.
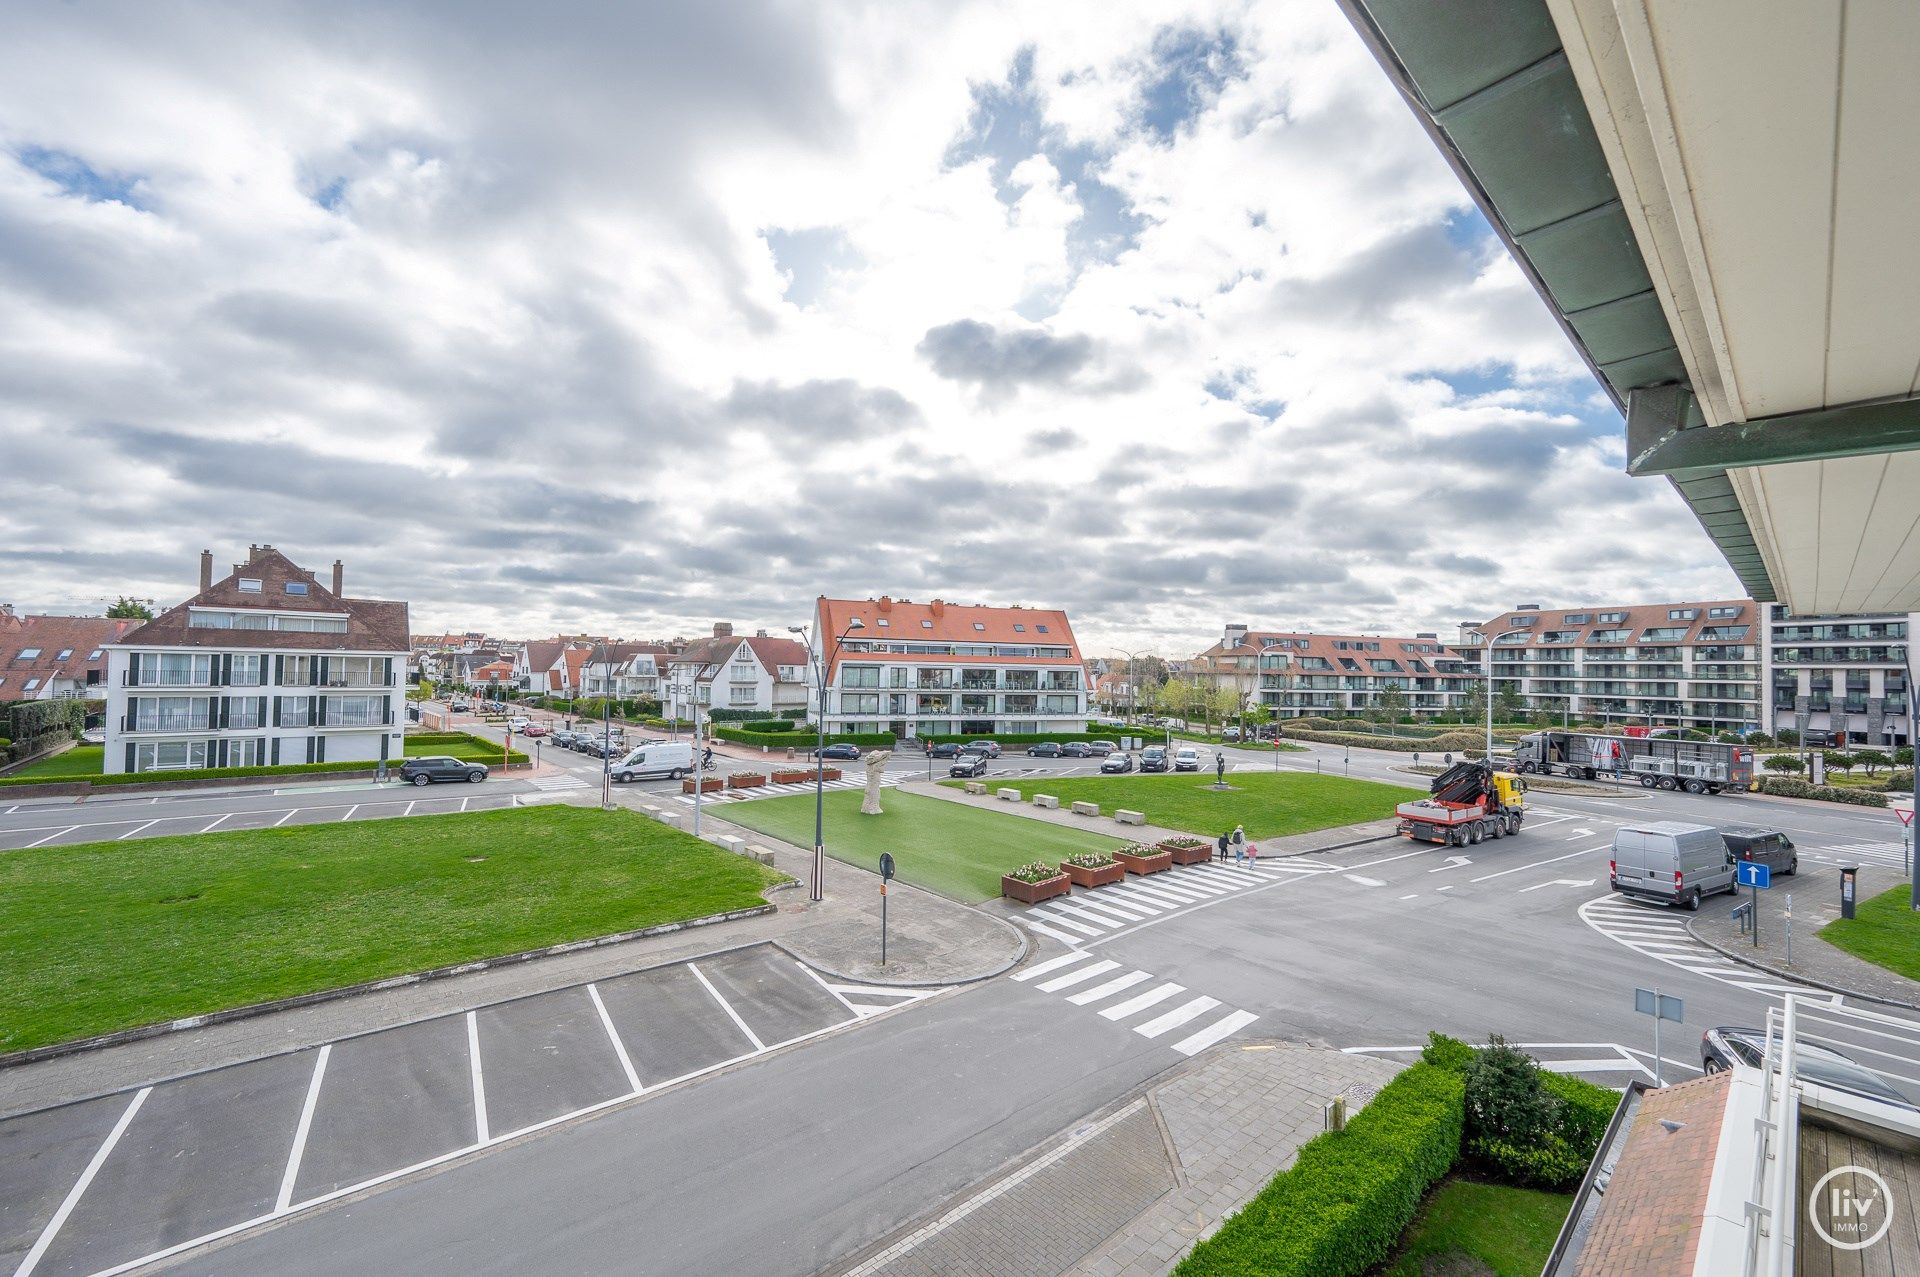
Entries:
{"x":1903,"y":756}
{"x":1444,"y":1052}
{"x":1841,"y":762}
{"x":1759,"y":738}
{"x":1899,"y":783}
{"x":1790,"y":787}
{"x":1873,"y":760}
{"x":1784,"y":763}
{"x":1586,"y":1110}
{"x":1788,"y":736}
{"x":1505,"y":1101}
{"x":804,"y":740}
{"x":1525,"y":1124}
{"x":1341,"y":1207}
{"x":1454,"y":742}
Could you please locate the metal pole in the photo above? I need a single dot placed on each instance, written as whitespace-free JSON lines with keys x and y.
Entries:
{"x":883,"y":922}
{"x":606,"y":753}
{"x":699,"y":776}
{"x":815,"y":891}
{"x":1789,"y":928}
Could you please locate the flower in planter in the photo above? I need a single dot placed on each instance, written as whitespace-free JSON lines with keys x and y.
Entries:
{"x":1034,"y":873}
{"x":1089,"y":860}
{"x":1138,"y":849}
{"x":1183,"y":841}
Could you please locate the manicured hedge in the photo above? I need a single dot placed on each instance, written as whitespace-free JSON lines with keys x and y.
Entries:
{"x":1791,"y":787}
{"x":201,"y":773}
{"x":1461,"y":741}
{"x":1109,"y":734}
{"x":804,"y":740}
{"x":1342,"y":1206}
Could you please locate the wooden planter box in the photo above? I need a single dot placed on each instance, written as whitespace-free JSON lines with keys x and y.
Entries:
{"x":1033,"y":892}
{"x":745,"y":780}
{"x":832,"y":773}
{"x":707,"y":785}
{"x":1083,"y":877}
{"x":791,"y":776}
{"x":1188,"y":855}
{"x":1159,"y":862}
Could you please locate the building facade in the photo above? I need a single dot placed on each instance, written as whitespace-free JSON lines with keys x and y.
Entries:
{"x":760,"y":674}
{"x":266,"y":666}
{"x":1697,"y":665}
{"x":939,"y":668}
{"x":44,"y":658}
{"x":1835,"y":678}
{"x":1303,"y":675}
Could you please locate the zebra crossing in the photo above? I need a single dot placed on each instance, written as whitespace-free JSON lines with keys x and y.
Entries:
{"x":1889,"y":855}
{"x":1658,"y":933}
{"x":1074,"y":973}
{"x":556,"y":783}
{"x":775,"y":791}
{"x":1097,"y":912}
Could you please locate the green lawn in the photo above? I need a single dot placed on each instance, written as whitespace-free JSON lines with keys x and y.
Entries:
{"x":1269,"y":804}
{"x":81,"y":760}
{"x":1510,"y":1230}
{"x":956,"y":850}
{"x":102,"y":936}
{"x":1884,"y":930}
{"x":475,"y":752}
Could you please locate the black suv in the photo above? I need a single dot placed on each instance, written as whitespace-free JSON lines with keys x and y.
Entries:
{"x":426,"y":771}
{"x":1154,"y":759}
{"x":969,"y":765}
{"x":1768,"y":847}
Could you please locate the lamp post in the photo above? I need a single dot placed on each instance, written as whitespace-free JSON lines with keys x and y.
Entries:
{"x":606,"y":743}
{"x":816,"y":890}
{"x":1487,"y":664}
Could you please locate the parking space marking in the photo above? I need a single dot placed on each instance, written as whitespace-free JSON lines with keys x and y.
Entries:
{"x":301,"y":1131}
{"x":726,"y":1006}
{"x":50,"y":837}
{"x":285,"y":818}
{"x":53,"y":1227}
{"x":216,"y":822}
{"x":479,"y":1082}
{"x":619,"y":1047}
{"x":137,"y":828}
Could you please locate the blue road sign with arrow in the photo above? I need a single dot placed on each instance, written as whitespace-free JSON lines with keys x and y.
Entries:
{"x":1754,"y":874}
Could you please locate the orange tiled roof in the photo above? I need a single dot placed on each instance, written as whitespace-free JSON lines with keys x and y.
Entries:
{"x":1649,"y":1221}
{"x":1639,"y":617}
{"x":938,"y":621}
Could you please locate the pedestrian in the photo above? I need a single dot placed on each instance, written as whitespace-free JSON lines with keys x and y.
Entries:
{"x":1222,"y":846}
{"x":1238,"y":841}
{"x":706,"y":759}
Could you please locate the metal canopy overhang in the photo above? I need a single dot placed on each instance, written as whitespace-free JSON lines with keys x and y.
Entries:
{"x":1496,"y":89}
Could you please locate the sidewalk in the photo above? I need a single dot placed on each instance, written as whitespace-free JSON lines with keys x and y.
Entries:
{"x":1815,"y":961}
{"x":1127,"y":1193}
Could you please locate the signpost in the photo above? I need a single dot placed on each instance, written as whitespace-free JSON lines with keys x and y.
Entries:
{"x":1661,"y":1007}
{"x":1753,"y":874}
{"x":886,"y":875}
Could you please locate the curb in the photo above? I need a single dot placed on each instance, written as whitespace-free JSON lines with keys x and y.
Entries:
{"x":143,"y":1032}
{"x":1795,"y":976}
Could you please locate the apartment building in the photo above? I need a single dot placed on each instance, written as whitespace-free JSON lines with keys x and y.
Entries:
{"x":1833,"y":675}
{"x":625,"y":670}
{"x":44,"y":658}
{"x":759,"y":674}
{"x":1303,"y":675}
{"x":268,"y":665}
{"x":1697,"y":665}
{"x":939,"y":668}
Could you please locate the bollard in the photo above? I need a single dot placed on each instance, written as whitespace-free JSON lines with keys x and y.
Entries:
{"x":1333,"y":1117}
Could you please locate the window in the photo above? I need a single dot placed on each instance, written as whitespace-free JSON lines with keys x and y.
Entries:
{"x":1576,"y":618}
{"x":1663,"y":633}
{"x":860,"y":676}
{"x":1019,"y":628}
{"x":172,"y":713}
{"x":980,"y":625}
{"x":177,"y":669}
{"x":27,"y":653}
{"x":296,"y":587}
{"x":884,"y":623}
{"x":926,"y":625}
{"x":1611,"y":618}
{"x":170,"y":755}
{"x":860,"y":703}
{"x":247,"y":670}
{"x":1724,"y":613}
{"x":246,"y":753}
{"x":65,"y":652}
{"x":94,"y":655}
{"x":32,"y":683}
{"x":1522,"y":620}
{"x":249,"y":585}
{"x":355,"y":711}
{"x":296,"y":671}
{"x":1683,"y":614}
{"x":1041,"y":629}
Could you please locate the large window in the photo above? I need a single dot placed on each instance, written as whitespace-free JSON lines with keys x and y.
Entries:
{"x":860,"y":676}
{"x":172,"y":713}
{"x":173,"y":669}
{"x":245,"y":711}
{"x":247,"y":753}
{"x":354,"y":671}
{"x":296,"y":671}
{"x":355,"y":711}
{"x":859,"y":702}
{"x":247,"y":670}
{"x":169,"y":755}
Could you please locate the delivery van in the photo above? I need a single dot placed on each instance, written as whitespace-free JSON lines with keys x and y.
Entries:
{"x":1674,"y":863}
{"x":672,"y":759}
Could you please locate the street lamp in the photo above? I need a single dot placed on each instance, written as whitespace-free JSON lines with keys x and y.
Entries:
{"x":816,"y":891}
{"x":1487,"y":663}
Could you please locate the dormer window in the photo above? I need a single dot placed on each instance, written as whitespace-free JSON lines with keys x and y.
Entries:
{"x":296,"y":587}
{"x":249,"y":585}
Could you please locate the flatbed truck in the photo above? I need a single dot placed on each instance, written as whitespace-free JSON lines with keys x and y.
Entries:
{"x":1471,"y":802}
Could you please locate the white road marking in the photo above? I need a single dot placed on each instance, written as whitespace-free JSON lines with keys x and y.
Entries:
{"x":1535,"y":865}
{"x":1150,"y":998}
{"x":619,"y":1047}
{"x":1091,"y":913}
{"x":1410,"y":897}
{"x":1035,"y":924}
{"x":479,"y":1083}
{"x":1059,"y":920}
{"x":136,"y":829}
{"x":300,"y":1131}
{"x":50,"y":837}
{"x":284,"y":819}
{"x":350,"y":811}
{"x":1363,"y":881}
{"x":52,"y":1229}
{"x":216,"y":823}
{"x":1176,"y":1017}
{"x":726,"y":1006}
{"x":1453,"y":862}
{"x":1223,"y":1027}
{"x":1559,"y":882}
{"x":1107,"y":990}
{"x":408,"y":811}
{"x":1078,"y":976}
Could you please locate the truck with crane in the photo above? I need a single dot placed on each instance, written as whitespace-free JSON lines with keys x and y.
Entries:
{"x":1657,"y":762}
{"x":1471,"y":802}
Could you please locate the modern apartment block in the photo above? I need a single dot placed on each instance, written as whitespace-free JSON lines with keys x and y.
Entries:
{"x":1697,"y":665}
{"x":268,"y":665}
{"x":1303,"y":675}
{"x":1840,"y":674}
{"x":939,"y":668}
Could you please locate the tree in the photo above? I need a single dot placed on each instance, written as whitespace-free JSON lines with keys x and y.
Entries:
{"x":1389,"y":706}
{"x":1788,"y":736}
{"x":1474,"y":708}
{"x":421,"y":691}
{"x":1841,"y":762}
{"x":126,"y":609}
{"x":1507,"y":705}
{"x":1872,"y":759}
{"x":1225,"y":702}
{"x":1784,"y":763}
{"x":1903,"y":757}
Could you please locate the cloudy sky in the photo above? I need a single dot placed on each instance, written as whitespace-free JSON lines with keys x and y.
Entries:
{"x":633,"y":317}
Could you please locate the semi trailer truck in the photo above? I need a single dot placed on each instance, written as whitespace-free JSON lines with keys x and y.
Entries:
{"x":1657,"y":762}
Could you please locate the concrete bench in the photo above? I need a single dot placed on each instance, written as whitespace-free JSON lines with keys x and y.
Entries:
{"x":668,"y":818}
{"x":1046,"y":800}
{"x":760,"y":854}
{"x":1007,"y":795}
{"x":975,"y":787}
{"x":730,"y":842}
{"x":1086,"y":809}
{"x":1126,"y":817}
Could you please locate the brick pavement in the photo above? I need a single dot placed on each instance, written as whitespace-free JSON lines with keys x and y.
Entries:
{"x":1814,"y":960}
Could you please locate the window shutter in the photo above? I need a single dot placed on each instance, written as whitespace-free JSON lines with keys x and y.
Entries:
{"x":133,"y":672}
{"x":315,"y":708}
{"x":133,"y":714}
{"x":386,"y":671}
{"x":223,"y":708}
{"x":319,"y":667}
{"x":220,"y":753}
{"x":279,"y":671}
{"x":320,"y":749}
{"x":274,"y":749}
{"x":130,"y":761}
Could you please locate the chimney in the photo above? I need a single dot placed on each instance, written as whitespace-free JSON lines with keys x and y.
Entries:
{"x":206,"y":569}
{"x":759,"y":633}
{"x":339,"y":576}
{"x":723,"y":629}
{"x":938,"y":607}
{"x":1236,"y":634}
{"x":886,"y":603}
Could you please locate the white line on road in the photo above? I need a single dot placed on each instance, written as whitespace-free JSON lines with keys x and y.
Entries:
{"x":1052,"y":964}
{"x":1219,"y":1029}
{"x":350,"y":811}
{"x":305,"y":1125}
{"x":1410,"y":897}
{"x":726,"y":1006}
{"x":1108,"y":989}
{"x":137,"y":828}
{"x":1559,"y":882}
{"x":1363,"y":881}
{"x":52,"y":1229}
{"x":1036,"y":925}
{"x":1079,"y":976}
{"x":1535,"y":865}
{"x":479,"y":1083}
{"x":1060,"y":921}
{"x":1151,"y":997}
{"x":284,"y":819}
{"x":1177,"y":1017}
{"x":50,"y":837}
{"x":216,"y":823}
{"x":408,"y":811}
{"x":619,"y":1047}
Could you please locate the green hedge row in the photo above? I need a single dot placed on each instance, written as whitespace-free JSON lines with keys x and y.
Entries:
{"x":1458,"y":742}
{"x":202,"y":773}
{"x":1789,"y":787}
{"x":1342,"y":1206}
{"x":804,"y":740}
{"x":1110,"y":734}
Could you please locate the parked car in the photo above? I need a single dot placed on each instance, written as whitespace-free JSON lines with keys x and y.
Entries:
{"x":1671,"y":862}
{"x":1045,"y":749}
{"x":1769,"y":847}
{"x":672,"y":759}
{"x":459,"y":706}
{"x":1076,"y":749}
{"x":94,"y":736}
{"x":990,"y":748}
{"x":851,"y":752}
{"x":434,"y":768}
{"x":520,"y":723}
{"x":1154,"y":759}
{"x":597,"y":745}
{"x":943,"y":749}
{"x":1101,"y":748}
{"x":969,"y":764}
{"x":1229,"y":733}
{"x":1120,"y":762}
{"x":1723,"y":1047}
{"x":563,"y":737}
{"x":1186,"y":759}
{"x":533,"y":730}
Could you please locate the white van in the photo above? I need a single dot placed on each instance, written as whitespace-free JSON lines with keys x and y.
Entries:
{"x":1671,"y":862}
{"x":672,"y":759}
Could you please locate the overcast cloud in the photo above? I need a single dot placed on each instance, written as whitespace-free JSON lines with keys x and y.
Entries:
{"x":1165,"y":313}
